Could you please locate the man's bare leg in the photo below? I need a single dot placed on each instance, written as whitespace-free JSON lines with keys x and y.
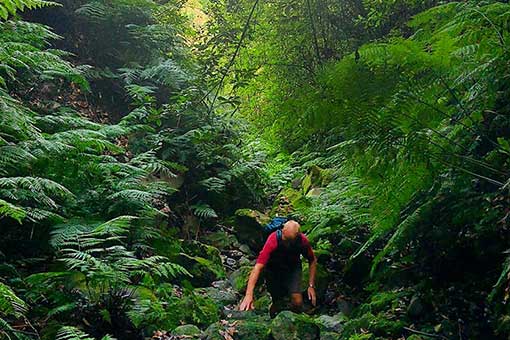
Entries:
{"x":296,"y":300}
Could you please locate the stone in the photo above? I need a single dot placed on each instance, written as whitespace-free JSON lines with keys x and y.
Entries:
{"x":187,"y":330}
{"x":245,"y":249}
{"x":230,"y":262}
{"x":297,"y":201}
{"x":220,"y":296}
{"x":252,"y":327}
{"x":415,"y":307}
{"x":221,"y":284}
{"x":330,"y":336}
{"x":214,"y":331}
{"x":290,"y":326}
{"x":331,"y":323}
{"x":249,"y":227}
{"x":314,"y":192}
{"x":244,"y":261}
{"x":248,"y":329}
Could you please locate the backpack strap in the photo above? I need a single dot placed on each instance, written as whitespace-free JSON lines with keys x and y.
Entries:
{"x":279,"y":237}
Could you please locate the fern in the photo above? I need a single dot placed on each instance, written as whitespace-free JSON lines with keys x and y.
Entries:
{"x":10,"y":7}
{"x":10,"y":304}
{"x":203,"y":211}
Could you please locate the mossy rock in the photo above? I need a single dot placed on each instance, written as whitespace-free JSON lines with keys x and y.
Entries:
{"x":213,"y":332}
{"x":379,"y":325}
{"x":296,"y":199}
{"x":290,"y":326}
{"x":316,"y":177}
{"x":330,"y":336}
{"x":263,"y":302}
{"x":221,"y":297}
{"x":221,"y":240}
{"x":202,"y":261}
{"x":190,"y":331}
{"x":249,"y":227}
{"x":239,"y":278}
{"x":252,"y":328}
{"x":329,"y":323}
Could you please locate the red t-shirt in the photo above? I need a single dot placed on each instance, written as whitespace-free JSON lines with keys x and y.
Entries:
{"x":270,"y":250}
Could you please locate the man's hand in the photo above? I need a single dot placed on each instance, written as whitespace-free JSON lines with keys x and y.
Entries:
{"x":311,"y":295}
{"x":247,"y":303}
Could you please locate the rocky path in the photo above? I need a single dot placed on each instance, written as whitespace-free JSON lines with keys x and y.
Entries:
{"x":236,"y":260}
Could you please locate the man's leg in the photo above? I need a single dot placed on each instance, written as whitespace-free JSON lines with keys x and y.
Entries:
{"x":296,"y":296}
{"x":296,"y":300}
{"x":276,"y":290}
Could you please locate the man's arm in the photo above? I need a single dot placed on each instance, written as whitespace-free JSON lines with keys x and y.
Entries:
{"x":312,"y":265}
{"x":264,"y":255}
{"x":311,"y":282}
{"x":247,"y":303}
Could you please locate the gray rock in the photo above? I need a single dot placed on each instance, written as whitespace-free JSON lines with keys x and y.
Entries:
{"x":230,"y":262}
{"x":331,"y":323}
{"x":188,"y":330}
{"x":249,"y":227}
{"x":245,"y":249}
{"x":415,"y":308}
{"x":220,"y":296}
{"x":221,"y":284}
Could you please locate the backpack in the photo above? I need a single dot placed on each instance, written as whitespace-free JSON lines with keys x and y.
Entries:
{"x":276,"y":224}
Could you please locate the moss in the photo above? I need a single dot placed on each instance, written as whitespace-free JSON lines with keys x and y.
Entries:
{"x":291,"y":326}
{"x":379,"y":325}
{"x":202,"y":261}
{"x":239,"y":278}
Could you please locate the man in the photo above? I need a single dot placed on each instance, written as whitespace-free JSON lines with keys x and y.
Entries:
{"x":281,"y":256}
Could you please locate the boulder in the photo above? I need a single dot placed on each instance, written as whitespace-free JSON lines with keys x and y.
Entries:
{"x":249,"y":227}
{"x":221,"y":297}
{"x":314,"y":192}
{"x":415,"y":307}
{"x":190,"y":331}
{"x":296,"y":201}
{"x":250,"y":328}
{"x":215,"y":331}
{"x":330,"y":323}
{"x":290,"y":326}
{"x":316,"y":177}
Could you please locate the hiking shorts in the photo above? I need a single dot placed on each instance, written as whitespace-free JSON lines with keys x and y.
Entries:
{"x":281,"y":283}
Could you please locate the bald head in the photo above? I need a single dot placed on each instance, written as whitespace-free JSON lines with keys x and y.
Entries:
{"x":290,"y":230}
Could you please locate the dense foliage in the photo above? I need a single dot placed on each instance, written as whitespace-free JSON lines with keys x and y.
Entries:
{"x":131,"y":131}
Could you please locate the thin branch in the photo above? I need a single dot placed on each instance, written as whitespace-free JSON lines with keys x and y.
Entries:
{"x":236,"y":52}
